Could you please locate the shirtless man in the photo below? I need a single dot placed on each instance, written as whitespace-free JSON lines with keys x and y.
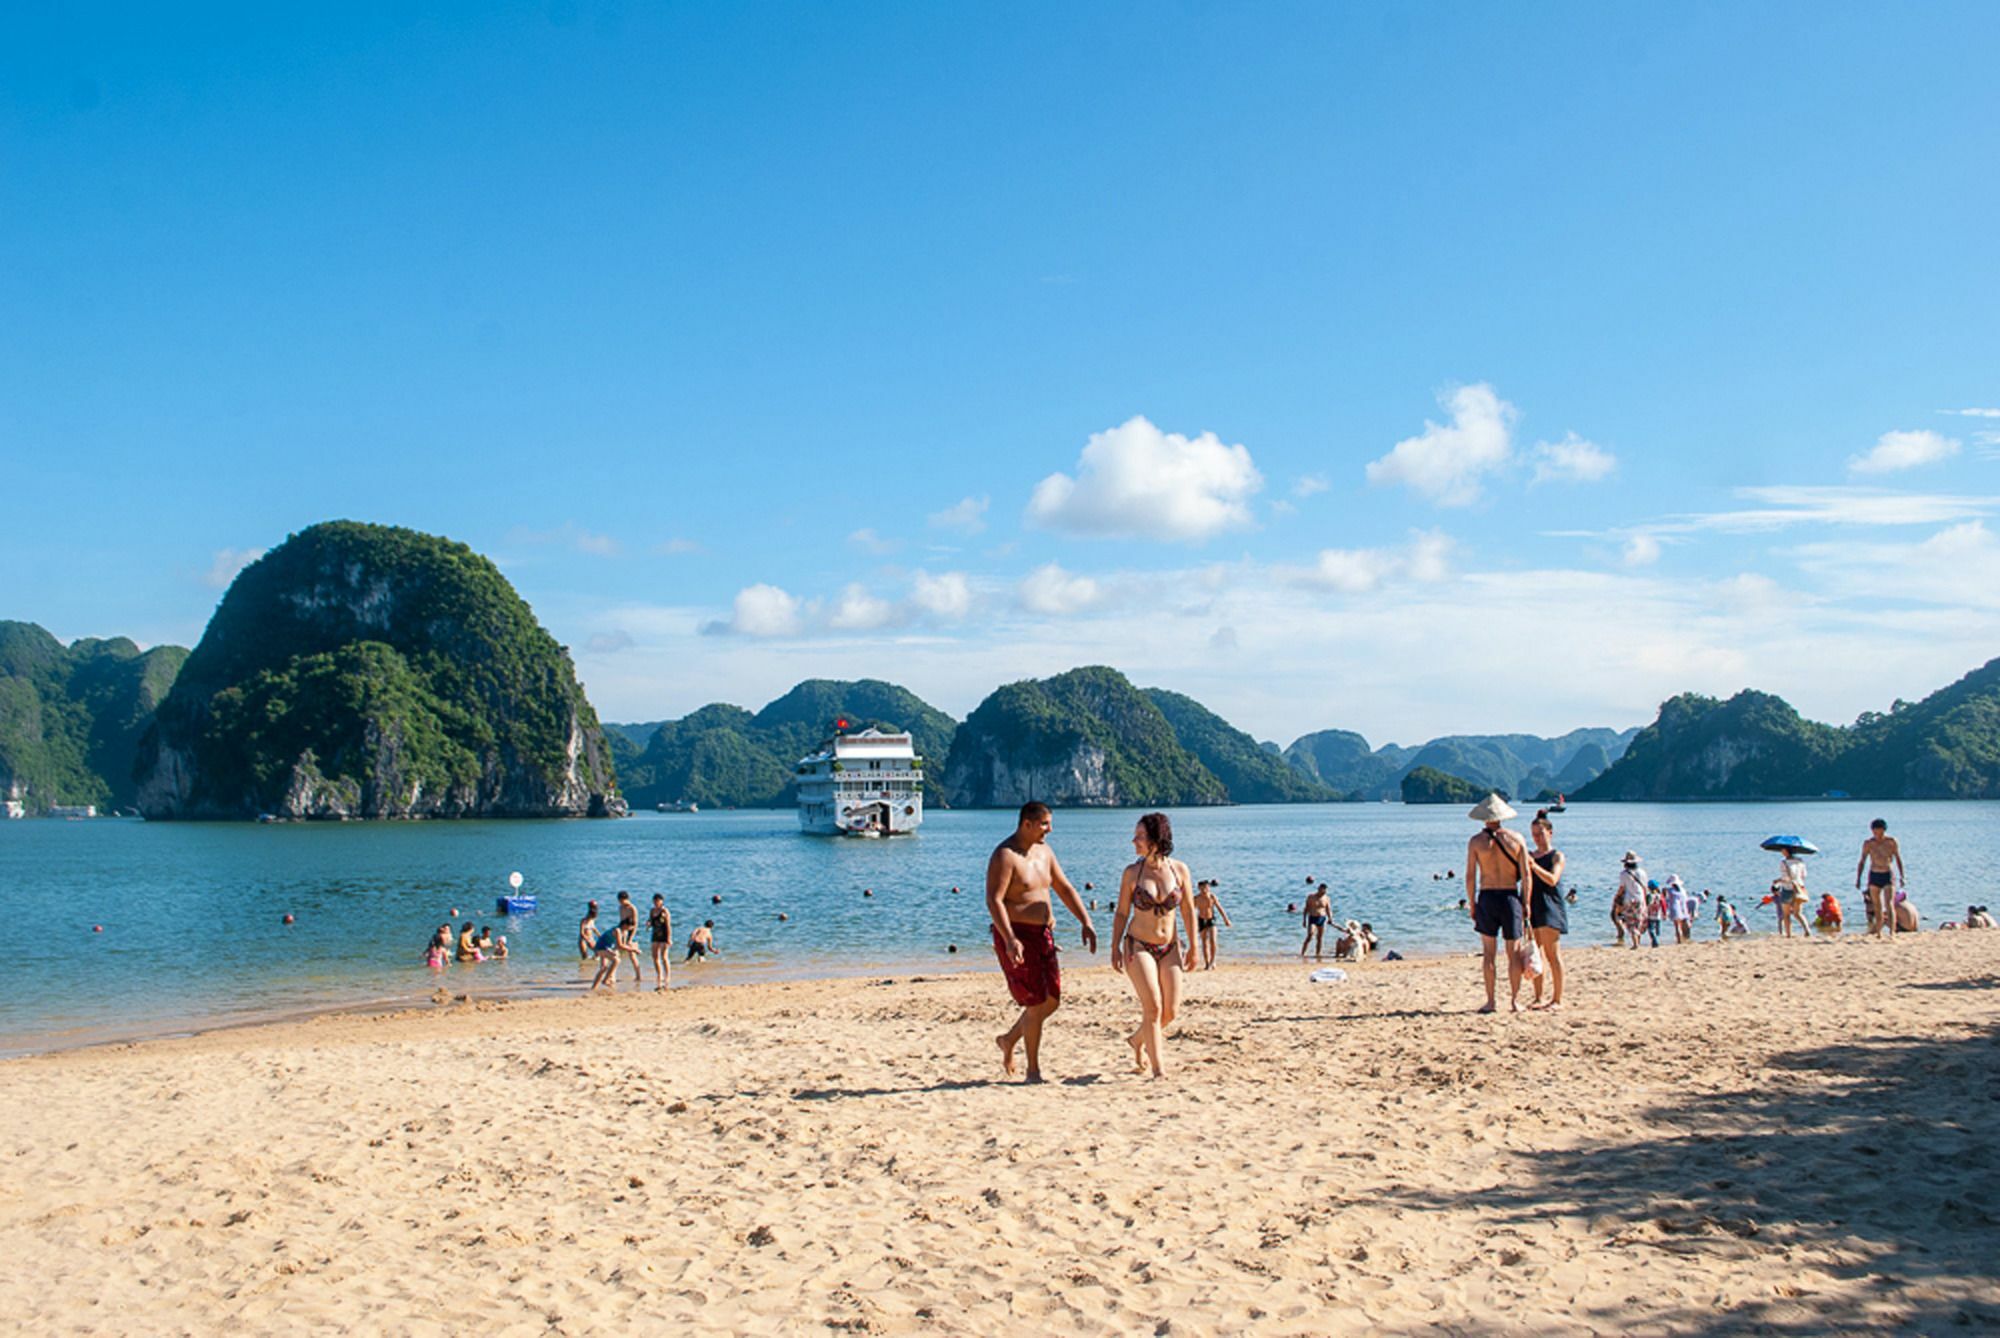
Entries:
{"x":1207,"y":905}
{"x":1318,"y":913}
{"x":1496,"y":883}
{"x":1883,"y":859}
{"x":1019,"y":877}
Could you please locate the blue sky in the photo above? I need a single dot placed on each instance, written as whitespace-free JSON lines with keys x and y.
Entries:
{"x":1408,"y":369}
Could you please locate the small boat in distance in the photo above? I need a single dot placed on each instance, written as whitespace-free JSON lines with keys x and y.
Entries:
{"x":678,"y":806}
{"x":1559,"y":806}
{"x":866,"y":784}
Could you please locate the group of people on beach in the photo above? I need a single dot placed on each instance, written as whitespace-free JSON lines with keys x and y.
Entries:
{"x":620,"y":943}
{"x":1514,"y":895}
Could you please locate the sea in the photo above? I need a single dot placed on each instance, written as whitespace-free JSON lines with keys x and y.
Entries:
{"x":118,"y":929}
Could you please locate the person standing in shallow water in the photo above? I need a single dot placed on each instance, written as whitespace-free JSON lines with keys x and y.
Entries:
{"x":1548,"y":913}
{"x":1145,"y":937}
{"x":1318,"y":913}
{"x":1020,"y":874}
{"x":1497,"y":882}
{"x":1882,"y":859}
{"x":661,"y":925}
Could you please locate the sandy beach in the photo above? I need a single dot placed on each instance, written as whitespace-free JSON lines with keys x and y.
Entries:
{"x":1766,"y":1135}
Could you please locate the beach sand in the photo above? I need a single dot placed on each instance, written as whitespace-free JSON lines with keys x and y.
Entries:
{"x":1782,"y":1136}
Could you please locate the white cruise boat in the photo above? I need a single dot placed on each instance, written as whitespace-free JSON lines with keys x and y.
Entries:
{"x":863,"y":784}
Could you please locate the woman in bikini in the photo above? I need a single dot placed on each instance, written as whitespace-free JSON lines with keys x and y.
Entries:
{"x":1548,"y":914}
{"x":1145,"y":937}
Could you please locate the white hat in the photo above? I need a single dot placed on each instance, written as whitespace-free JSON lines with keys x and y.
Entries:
{"x":1492,"y":809}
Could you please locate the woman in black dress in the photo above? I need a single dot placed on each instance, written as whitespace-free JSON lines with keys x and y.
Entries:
{"x":1548,"y":913}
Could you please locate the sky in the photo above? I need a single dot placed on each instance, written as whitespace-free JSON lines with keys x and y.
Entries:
{"x":1410,"y":369}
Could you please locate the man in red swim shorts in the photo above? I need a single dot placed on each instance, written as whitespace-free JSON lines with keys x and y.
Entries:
{"x":1019,"y":877}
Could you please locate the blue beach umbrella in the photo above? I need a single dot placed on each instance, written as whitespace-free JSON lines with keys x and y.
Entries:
{"x":1790,"y":843}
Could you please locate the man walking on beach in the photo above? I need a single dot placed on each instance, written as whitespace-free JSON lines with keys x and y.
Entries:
{"x":1019,"y":876}
{"x":1883,"y":859}
{"x":1496,"y":863}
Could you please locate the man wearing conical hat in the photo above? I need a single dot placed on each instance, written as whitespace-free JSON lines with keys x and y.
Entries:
{"x":1496,"y":891}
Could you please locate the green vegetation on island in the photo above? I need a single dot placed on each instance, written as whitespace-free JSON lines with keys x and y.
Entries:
{"x":1250,"y":773}
{"x":722,"y":756}
{"x":1087,"y":737}
{"x":1428,"y":785}
{"x":71,"y":716}
{"x":1515,"y":764}
{"x":367,"y":671}
{"x":1755,"y":746}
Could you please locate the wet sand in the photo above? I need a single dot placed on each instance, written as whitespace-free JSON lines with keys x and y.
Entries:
{"x":1766,"y":1135}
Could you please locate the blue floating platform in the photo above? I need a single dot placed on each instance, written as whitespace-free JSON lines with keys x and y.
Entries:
{"x":516,"y":905}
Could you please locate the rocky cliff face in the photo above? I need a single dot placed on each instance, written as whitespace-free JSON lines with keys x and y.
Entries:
{"x":358,"y":671}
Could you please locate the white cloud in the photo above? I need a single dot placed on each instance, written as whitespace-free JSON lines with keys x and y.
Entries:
{"x":1446,"y":461}
{"x":947,"y":596}
{"x":1958,"y":565}
{"x":870,"y":542}
{"x":676,"y":547}
{"x":1426,"y":558}
{"x":1281,"y":507}
{"x":1572,"y":460}
{"x":228,"y":562}
{"x":1972,"y":413}
{"x":1784,"y":507}
{"x":1136,"y":481}
{"x":859,"y":610}
{"x":1308,"y":484}
{"x":967,"y":516}
{"x":760,"y":611}
{"x":569,"y":535}
{"x":1904,"y":450}
{"x":1223,"y":638}
{"x":1641,"y":549}
{"x":1050,"y":590}
{"x":611,"y":642}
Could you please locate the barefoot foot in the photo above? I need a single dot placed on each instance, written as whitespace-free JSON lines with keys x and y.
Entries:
{"x":1006,"y":1043}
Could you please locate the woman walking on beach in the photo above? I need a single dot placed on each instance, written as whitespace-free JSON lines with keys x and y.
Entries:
{"x":661,"y":923}
{"x":1145,"y":938}
{"x":1548,"y":914}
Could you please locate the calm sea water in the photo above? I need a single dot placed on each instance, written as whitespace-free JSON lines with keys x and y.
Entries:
{"x":193,"y":933}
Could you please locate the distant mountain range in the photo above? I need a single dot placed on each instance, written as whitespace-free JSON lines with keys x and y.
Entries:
{"x":1755,"y":746}
{"x":363,"y":671}
{"x":1087,"y":737}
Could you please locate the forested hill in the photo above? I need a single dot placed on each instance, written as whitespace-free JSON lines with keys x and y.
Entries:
{"x":71,"y":716}
{"x":722,"y":756}
{"x":367,"y":671}
{"x":1756,"y":746}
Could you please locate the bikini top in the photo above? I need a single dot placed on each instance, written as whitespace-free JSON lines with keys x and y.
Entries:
{"x":1142,"y":900}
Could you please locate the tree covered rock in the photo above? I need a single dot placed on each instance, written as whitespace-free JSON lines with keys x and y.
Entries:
{"x":1428,"y":785}
{"x":1251,"y":773}
{"x":368,"y":671}
{"x":1086,"y":737}
{"x":71,"y":717}
{"x":1755,"y":746}
{"x":722,"y":756}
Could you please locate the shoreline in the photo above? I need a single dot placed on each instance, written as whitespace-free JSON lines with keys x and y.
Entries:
{"x":441,"y":997}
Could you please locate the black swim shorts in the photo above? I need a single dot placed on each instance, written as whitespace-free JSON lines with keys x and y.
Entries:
{"x":1498,"y":913}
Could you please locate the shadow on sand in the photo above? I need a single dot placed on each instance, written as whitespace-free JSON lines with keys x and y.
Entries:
{"x":1872,"y":1163}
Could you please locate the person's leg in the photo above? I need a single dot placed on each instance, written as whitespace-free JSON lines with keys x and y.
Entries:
{"x":1208,"y":949}
{"x":1009,"y":1039}
{"x":1513,"y":977}
{"x":1487,"y":947}
{"x":1031,"y":1034}
{"x":1319,"y":943}
{"x":1144,"y":973}
{"x":1306,"y":942}
{"x":1551,"y":942}
{"x":1170,"y":990}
